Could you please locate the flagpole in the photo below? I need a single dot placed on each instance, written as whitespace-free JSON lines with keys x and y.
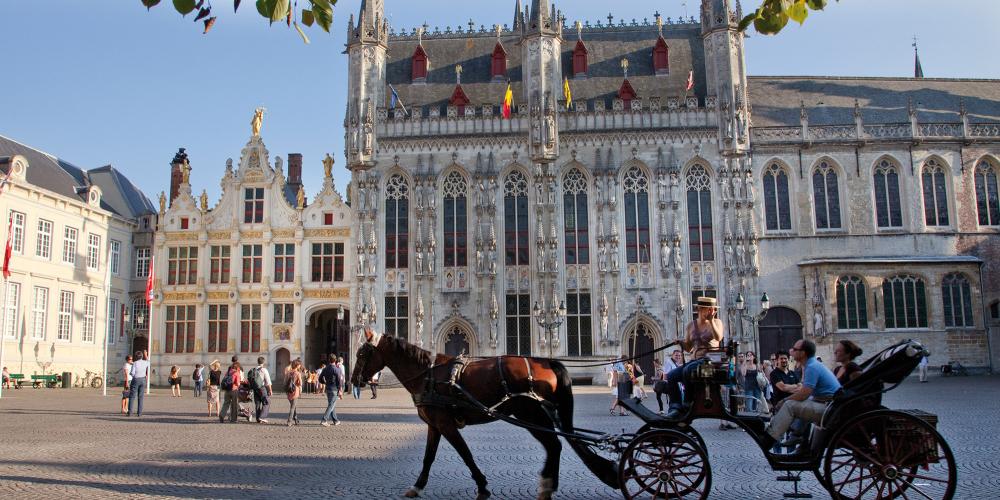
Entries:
{"x":152,"y":314}
{"x":3,"y":332}
{"x":107,"y":307}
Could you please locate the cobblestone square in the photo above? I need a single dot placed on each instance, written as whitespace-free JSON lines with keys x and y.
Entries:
{"x":73,"y":444}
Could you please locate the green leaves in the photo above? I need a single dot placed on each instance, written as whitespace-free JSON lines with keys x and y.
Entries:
{"x":816,"y":4}
{"x":150,"y":3}
{"x":798,"y":12}
{"x":307,"y":17}
{"x":323,"y":12}
{"x":184,"y":6}
{"x":274,"y":10}
{"x":773,"y":15}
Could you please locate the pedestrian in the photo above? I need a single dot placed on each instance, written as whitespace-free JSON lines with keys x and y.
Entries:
{"x":356,"y":390}
{"x":334,"y":387}
{"x":214,"y":379}
{"x":6,"y":378}
{"x":319,"y":385}
{"x":617,"y":371}
{"x":311,"y":380}
{"x":639,"y":392}
{"x":752,"y":390}
{"x":126,"y":377}
{"x":230,"y":386}
{"x":293,"y":389}
{"x":373,"y":383}
{"x":676,"y":360}
{"x":343,"y":375}
{"x":137,"y":386}
{"x":198,"y":379}
{"x":923,"y":369}
{"x":175,"y":382}
{"x":260,"y":382}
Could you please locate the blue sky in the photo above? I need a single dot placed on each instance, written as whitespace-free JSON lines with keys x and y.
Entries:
{"x":104,"y":81}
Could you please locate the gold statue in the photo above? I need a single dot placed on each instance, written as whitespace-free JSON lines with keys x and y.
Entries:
{"x":258,"y":119}
{"x":163,"y":202}
{"x":328,"y":166}
{"x":185,"y":174}
{"x":300,"y":198}
{"x":204,"y":201}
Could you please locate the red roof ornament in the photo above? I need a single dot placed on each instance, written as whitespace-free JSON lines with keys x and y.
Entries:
{"x":626,"y":92}
{"x":458,"y":97}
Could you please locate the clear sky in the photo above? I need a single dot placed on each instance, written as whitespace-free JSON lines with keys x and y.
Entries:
{"x":100,"y":82}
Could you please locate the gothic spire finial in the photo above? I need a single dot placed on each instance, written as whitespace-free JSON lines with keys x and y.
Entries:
{"x":518,"y":13}
{"x":579,"y":30}
{"x":918,"y":71}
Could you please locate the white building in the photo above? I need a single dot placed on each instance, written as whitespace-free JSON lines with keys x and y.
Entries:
{"x":80,"y":241}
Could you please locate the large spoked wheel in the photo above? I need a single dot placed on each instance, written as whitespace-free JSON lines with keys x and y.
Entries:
{"x":664,"y":463}
{"x":889,"y":454}
{"x":684,"y":428}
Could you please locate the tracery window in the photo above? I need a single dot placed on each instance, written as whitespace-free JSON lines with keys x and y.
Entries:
{"x":956,"y":294}
{"x":852,"y":303}
{"x":515,"y":219}
{"x":397,"y":316}
{"x":575,"y":217}
{"x":888,"y":209}
{"x":699,"y":207}
{"x":397,"y":223}
{"x":905,"y":302}
{"x":455,"y":208}
{"x":776,"y":204}
{"x":636,"y":186}
{"x":518,"y":331}
{"x":579,"y":326}
{"x":987,"y":200}
{"x":826,"y":196}
{"x":935,"y":194}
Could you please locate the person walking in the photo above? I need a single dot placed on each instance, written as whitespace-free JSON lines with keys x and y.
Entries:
{"x":175,"y":382}
{"x":751,"y":386}
{"x":198,"y":379}
{"x":660,"y":387}
{"x":137,"y":386}
{"x":922,"y":367}
{"x":230,"y":385}
{"x":373,"y":383}
{"x":214,"y":379}
{"x":334,"y":387}
{"x":127,"y":377}
{"x":293,"y":389}
{"x":343,"y":375}
{"x":260,"y":382}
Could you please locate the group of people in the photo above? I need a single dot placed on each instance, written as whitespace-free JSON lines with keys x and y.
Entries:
{"x":618,"y":371}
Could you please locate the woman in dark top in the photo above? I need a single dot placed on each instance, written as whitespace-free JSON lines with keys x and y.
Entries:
{"x":214,"y":379}
{"x":844,"y":354}
{"x":751,"y":388}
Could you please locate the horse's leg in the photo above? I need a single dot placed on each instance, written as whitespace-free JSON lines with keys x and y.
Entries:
{"x":450,"y":432}
{"x":549,"y":480}
{"x":430,"y":451}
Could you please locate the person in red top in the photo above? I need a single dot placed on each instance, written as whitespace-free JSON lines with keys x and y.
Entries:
{"x":231,"y":404}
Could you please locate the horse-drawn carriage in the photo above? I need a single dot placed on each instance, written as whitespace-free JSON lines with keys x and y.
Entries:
{"x":859,"y":450}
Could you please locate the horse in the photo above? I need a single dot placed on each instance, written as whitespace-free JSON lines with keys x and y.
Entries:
{"x":536,"y":391}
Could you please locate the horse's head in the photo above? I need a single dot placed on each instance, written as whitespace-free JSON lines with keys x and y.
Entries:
{"x":369,"y":359}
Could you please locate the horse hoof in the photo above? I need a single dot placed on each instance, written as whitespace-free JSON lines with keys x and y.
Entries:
{"x":545,"y":496}
{"x":411,"y":493}
{"x":483,"y":495}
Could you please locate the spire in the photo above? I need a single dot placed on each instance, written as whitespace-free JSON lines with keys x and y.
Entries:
{"x":540,"y":18}
{"x":371,"y":22}
{"x":518,"y":16}
{"x":918,"y":72}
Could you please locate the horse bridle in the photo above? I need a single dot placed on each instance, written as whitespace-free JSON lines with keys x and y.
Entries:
{"x":363,"y":354}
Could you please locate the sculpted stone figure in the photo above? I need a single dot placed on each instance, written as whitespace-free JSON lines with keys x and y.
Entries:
{"x":748,"y":185}
{"x":664,"y":255}
{"x":163,"y":202}
{"x":369,"y":138}
{"x":328,"y":166}
{"x":204,"y":201}
{"x":675,"y":186}
{"x":737,"y":187}
{"x":603,"y":260}
{"x":420,"y":260}
{"x":257,"y":121}
{"x":300,"y":198}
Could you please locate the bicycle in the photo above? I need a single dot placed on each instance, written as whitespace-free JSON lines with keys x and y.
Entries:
{"x":92,"y":380}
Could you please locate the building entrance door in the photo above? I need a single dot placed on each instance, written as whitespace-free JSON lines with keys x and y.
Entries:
{"x":282,"y":358}
{"x":456,"y":342}
{"x":639,"y":340}
{"x":326,"y":334}
{"x":779,"y":330}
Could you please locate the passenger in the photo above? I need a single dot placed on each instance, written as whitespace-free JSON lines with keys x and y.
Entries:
{"x":808,"y":403}
{"x":844,"y":354}
{"x":702,"y":334}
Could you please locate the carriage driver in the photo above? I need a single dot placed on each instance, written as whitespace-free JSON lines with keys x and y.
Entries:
{"x":702,"y":334}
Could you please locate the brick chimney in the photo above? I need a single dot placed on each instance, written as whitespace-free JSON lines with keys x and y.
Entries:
{"x":177,"y":167}
{"x":295,"y":168}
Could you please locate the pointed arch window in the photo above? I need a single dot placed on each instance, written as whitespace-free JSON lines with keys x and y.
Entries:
{"x":826,"y":196}
{"x":498,"y":68}
{"x":935,"y":194}
{"x":905,"y":302}
{"x":397,"y":223}
{"x":987,"y":200}
{"x":636,"y":186}
{"x":575,"y":217}
{"x":956,"y":293}
{"x":661,"y":57}
{"x":776,"y":204}
{"x":699,"y":207}
{"x":455,"y":220}
{"x":852,"y":303}
{"x":419,"y":62}
{"x":888,"y":209}
{"x":580,"y":59}
{"x":515,"y":219}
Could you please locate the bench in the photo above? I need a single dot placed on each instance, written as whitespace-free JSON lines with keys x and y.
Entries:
{"x":47,"y":380}
{"x":16,"y":379}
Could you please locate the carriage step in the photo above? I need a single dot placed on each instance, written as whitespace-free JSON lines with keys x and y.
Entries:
{"x":794,"y":479}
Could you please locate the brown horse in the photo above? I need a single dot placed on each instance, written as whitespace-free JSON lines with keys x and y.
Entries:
{"x":531,"y":384}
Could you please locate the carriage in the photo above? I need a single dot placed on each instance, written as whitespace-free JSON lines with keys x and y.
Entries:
{"x":860,"y":449}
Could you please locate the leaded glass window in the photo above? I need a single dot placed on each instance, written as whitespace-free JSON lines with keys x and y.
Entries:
{"x":699,"y":207}
{"x":515,"y":219}
{"x":397,"y":229}
{"x":987,"y":200}
{"x":905,"y":302}
{"x":455,"y":220}
{"x":776,"y":203}
{"x":935,"y":194}
{"x":852,"y":303}
{"x":888,"y":209}
{"x":575,"y":217}
{"x":636,"y":186}
{"x":826,"y":197}
{"x":956,"y":294}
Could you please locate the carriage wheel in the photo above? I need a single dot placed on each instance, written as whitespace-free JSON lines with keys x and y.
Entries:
{"x":686,"y":429}
{"x":889,"y":454}
{"x":664,"y":463}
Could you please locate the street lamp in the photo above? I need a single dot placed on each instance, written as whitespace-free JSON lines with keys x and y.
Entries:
{"x":754,"y":319}
{"x":340,"y":312}
{"x":550,"y":320}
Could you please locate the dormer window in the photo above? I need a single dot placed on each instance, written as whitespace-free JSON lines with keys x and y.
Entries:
{"x":498,"y":69}
{"x":459,"y":99}
{"x":661,"y":63}
{"x":580,"y":59}
{"x":185,"y":223}
{"x":626,"y":93}
{"x":420,"y":62}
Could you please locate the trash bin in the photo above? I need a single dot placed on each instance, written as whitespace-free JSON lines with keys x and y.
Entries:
{"x":67,"y":380}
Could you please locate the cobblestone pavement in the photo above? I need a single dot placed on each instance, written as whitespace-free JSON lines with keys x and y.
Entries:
{"x":72,"y":444}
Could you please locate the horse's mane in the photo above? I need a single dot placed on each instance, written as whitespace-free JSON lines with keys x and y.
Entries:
{"x":422,"y":356}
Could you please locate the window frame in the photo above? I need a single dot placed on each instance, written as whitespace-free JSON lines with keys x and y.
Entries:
{"x":116,"y":256}
{"x":860,"y":306}
{"x":327,"y":266}
{"x":43,"y":240}
{"x":218,"y":328}
{"x":39,"y":316}
{"x":18,"y":220}
{"x":579,"y":320}
{"x":88,"y":332}
{"x":635,"y":184}
{"x":965,"y":301}
{"x":515,"y":220}
{"x":250,"y":328}
{"x":576,"y":218}
{"x":93,"y":252}
{"x":65,"y":316}
{"x":885,"y":168}
{"x":71,"y":237}
{"x":220,"y":264}
{"x":985,"y":169}
{"x":397,"y":223}
{"x":284,"y":262}
{"x":919,"y":306}
{"x":455,"y":226}
{"x":517,"y":316}
{"x":12,"y":313}
{"x":253,"y":205}
{"x":182,"y":270}
{"x":142,"y":260}
{"x":252,"y":263}
{"x":939,"y":188}
{"x":397,"y":315}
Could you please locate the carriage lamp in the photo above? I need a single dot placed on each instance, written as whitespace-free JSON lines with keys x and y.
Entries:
{"x":765,"y":303}
{"x":364,"y":315}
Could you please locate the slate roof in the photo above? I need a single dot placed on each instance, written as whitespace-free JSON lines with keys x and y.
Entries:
{"x":775,"y":100}
{"x":119,"y":195}
{"x":606,"y":47}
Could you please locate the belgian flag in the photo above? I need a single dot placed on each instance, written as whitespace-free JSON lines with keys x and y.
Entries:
{"x":508,"y":102}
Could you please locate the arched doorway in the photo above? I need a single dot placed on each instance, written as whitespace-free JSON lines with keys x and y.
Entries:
{"x":325,"y":335}
{"x":456,"y":341}
{"x":282,"y":358}
{"x":140,"y":343}
{"x":640,"y":340}
{"x":779,"y":330}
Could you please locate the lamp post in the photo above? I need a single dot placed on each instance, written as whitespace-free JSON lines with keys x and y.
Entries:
{"x":549,"y":320}
{"x":754,"y":319}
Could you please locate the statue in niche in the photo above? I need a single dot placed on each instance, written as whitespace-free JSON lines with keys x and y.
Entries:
{"x":752,"y":251}
{"x":664,"y":255}
{"x":819,"y":324}
{"x":204,"y":201}
{"x":604,"y":322}
{"x":369,"y":138}
{"x":493,"y":262}
{"x":618,"y":312}
{"x":603,"y":265}
{"x":724,"y":187}
{"x":493,"y":191}
{"x":362,"y":196}
{"x":482,"y":193}
{"x":741,"y":256}
{"x":354,"y":132}
{"x":430,"y":261}
{"x":541,"y":259}
{"x":614,"y":259}
{"x":229,"y":166}
{"x":728,"y":250}
{"x":536,"y":130}
{"x":724,"y":114}
{"x":553,"y":261}
{"x":741,"y":124}
{"x":678,"y":267}
{"x":371,"y":266}
{"x":675,"y":186}
{"x":540,"y":193}
{"x":737,"y":186}
{"x":163,"y":202}
{"x":748,"y":185}
{"x":661,"y":182}
{"x":552,"y":194}
{"x":479,"y":260}
{"x":550,"y":122}
{"x":613,"y":192}
{"x":361,"y":264}
{"x":419,"y":259}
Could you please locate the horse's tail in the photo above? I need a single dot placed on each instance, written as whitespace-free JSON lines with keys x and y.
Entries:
{"x":606,"y":470}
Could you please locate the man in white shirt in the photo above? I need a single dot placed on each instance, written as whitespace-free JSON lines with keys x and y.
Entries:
{"x":137,"y":386}
{"x":260,"y":382}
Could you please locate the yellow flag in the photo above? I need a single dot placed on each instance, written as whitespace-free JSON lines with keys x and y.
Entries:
{"x":567,"y":94}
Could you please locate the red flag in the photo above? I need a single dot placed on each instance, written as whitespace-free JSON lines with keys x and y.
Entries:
{"x":690,"y":82}
{"x":149,"y":282}
{"x":508,"y":101}
{"x":8,"y":248}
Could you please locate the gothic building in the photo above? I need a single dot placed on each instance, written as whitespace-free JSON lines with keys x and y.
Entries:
{"x":866,"y":208}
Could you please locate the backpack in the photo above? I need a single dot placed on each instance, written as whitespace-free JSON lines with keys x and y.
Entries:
{"x":290,"y":382}
{"x":194,"y":375}
{"x":227,"y":381}
{"x":256,"y":379}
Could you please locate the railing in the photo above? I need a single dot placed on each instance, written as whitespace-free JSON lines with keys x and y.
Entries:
{"x":877,"y":131}
{"x":833,"y":132}
{"x":887,"y":131}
